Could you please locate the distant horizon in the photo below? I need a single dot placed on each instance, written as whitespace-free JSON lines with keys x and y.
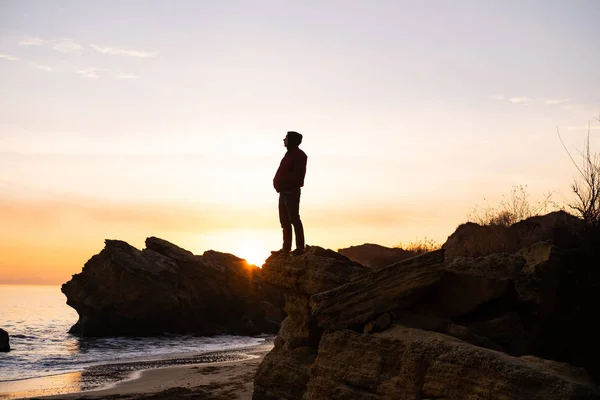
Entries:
{"x":133,"y":119}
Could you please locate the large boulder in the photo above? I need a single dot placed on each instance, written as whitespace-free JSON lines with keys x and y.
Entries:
{"x":406,"y":364}
{"x":376,"y":256}
{"x":284,"y":372}
{"x":473,"y":240}
{"x":4,"y":343}
{"x":167,"y":289}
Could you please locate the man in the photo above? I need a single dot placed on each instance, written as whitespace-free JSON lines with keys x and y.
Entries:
{"x":287,"y":182}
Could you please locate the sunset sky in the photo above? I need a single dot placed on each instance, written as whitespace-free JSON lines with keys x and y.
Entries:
{"x":129,"y":119}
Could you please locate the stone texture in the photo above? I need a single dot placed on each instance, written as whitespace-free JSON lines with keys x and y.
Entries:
{"x":4,"y":341}
{"x":167,"y":289}
{"x":377,"y":292}
{"x":405,"y":363}
{"x":284,"y":372}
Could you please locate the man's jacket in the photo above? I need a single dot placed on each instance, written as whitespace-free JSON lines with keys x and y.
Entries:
{"x":291,"y":171}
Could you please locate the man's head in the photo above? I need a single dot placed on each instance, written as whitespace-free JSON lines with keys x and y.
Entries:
{"x":292,"y":140}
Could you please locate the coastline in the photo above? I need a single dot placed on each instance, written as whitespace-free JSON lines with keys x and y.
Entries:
{"x":224,"y":374}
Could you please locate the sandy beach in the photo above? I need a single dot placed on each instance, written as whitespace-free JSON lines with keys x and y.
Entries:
{"x":212,"y":380}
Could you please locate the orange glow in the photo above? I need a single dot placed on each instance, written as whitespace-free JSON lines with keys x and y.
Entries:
{"x":254,"y":251}
{"x":45,"y":241}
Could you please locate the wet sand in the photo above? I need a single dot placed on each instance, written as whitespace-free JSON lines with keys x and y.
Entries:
{"x":219,"y":375}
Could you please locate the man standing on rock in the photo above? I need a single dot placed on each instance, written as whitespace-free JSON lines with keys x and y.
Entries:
{"x":287,"y":182}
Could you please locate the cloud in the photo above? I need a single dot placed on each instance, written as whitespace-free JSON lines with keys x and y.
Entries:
{"x":32,"y":41}
{"x":66,"y":46}
{"x":123,"y":75}
{"x":44,"y":68}
{"x":7,"y":57}
{"x":123,"y":52}
{"x":520,"y":100}
{"x":497,"y":97}
{"x":91,"y":73}
{"x":556,"y":101}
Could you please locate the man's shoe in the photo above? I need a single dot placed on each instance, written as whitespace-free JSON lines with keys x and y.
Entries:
{"x":280,"y":252}
{"x":298,"y":252}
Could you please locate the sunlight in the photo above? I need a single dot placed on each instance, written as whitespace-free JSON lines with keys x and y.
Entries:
{"x":253,"y":251}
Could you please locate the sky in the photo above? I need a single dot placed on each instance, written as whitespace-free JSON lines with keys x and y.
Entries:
{"x":130,"y":119}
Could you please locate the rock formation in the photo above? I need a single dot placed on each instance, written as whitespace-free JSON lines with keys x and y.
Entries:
{"x":515,"y":325}
{"x":375,"y":256}
{"x":4,"y":343}
{"x":473,"y":240}
{"x":284,"y":372}
{"x":166,"y":289}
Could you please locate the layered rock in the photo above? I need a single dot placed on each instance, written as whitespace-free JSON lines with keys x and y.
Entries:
{"x":167,"y":289}
{"x":375,"y":256}
{"x":406,"y":364}
{"x":4,"y":341}
{"x":501,"y":326}
{"x":284,"y":372}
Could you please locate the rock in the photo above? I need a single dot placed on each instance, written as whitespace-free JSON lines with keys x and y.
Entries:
{"x":405,"y":363}
{"x":395,"y":286}
{"x":316,"y":271}
{"x":4,"y":342}
{"x":473,"y":240}
{"x":522,"y":303}
{"x":375,"y":256}
{"x":284,"y":371}
{"x":379,"y":324}
{"x":167,"y":289}
{"x":511,"y":325}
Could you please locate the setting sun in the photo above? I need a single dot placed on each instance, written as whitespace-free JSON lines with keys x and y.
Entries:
{"x":253,"y":251}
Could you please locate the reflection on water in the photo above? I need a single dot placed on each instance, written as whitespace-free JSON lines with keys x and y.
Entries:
{"x":45,"y":386}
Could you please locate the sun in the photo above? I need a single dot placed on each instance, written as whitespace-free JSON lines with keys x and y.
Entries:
{"x":253,"y":251}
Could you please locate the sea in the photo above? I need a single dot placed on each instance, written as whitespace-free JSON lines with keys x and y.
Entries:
{"x":38,"y":319}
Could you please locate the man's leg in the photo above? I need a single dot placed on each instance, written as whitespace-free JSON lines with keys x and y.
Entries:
{"x":292,"y":201}
{"x":286,"y":225}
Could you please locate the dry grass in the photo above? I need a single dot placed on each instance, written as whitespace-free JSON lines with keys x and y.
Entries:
{"x":420,"y":246}
{"x":513,"y":208}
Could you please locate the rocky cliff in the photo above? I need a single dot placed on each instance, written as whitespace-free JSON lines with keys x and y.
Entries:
{"x":166,"y":289}
{"x":516,"y":325}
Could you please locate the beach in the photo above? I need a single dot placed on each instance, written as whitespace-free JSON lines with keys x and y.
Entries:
{"x":226,"y":375}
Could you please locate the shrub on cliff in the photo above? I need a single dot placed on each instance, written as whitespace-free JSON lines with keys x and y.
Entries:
{"x":512,"y":208}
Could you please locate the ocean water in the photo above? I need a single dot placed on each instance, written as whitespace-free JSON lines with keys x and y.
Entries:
{"x":38,"y":319}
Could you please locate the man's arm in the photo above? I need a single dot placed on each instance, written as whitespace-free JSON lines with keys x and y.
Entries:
{"x":299,"y":170}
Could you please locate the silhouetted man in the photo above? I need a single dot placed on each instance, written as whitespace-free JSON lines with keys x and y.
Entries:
{"x":288,"y":181}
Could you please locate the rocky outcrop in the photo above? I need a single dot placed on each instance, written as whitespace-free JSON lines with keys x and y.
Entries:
{"x":4,"y":342}
{"x":375,"y":256}
{"x":515,"y":325}
{"x":284,"y":372}
{"x":406,"y":364}
{"x":473,"y":240}
{"x":167,"y":289}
